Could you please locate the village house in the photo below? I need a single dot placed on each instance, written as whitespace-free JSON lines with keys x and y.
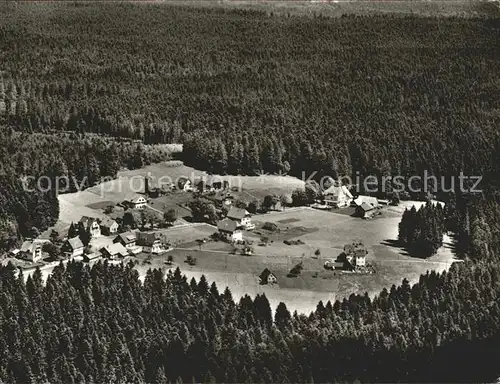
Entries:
{"x":267,"y":277}
{"x":365,"y":211}
{"x":30,"y":250}
{"x":370,"y":200}
{"x":337,"y":196}
{"x":127,"y":239}
{"x":355,"y":254}
{"x":109,"y":226}
{"x":92,"y":258}
{"x":92,"y":224}
{"x":73,"y":247}
{"x":114,"y":251}
{"x":229,"y":230}
{"x":136,"y":202}
{"x":185,"y":184}
{"x":241,"y":216}
{"x":150,"y":242}
{"x":214,"y":183}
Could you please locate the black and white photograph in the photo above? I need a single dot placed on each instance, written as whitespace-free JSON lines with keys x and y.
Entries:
{"x":249,"y":191}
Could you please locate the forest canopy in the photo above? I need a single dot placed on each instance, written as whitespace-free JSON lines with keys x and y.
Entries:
{"x":245,"y":90}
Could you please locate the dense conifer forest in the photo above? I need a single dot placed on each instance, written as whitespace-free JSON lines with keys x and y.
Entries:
{"x":87,"y":88}
{"x":246,"y":90}
{"x":421,"y":232}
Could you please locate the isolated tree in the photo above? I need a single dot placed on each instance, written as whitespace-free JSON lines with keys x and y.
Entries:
{"x":170,"y":216}
{"x":286,"y":200}
{"x":268,"y":202}
{"x":129,"y":220}
{"x":72,"y":231}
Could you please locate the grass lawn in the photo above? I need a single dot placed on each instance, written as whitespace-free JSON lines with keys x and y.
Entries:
{"x":334,"y":8}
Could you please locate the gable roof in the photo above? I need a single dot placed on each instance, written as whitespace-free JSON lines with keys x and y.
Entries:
{"x":237,"y":213}
{"x":92,"y":256}
{"x":30,"y":245}
{"x":338,"y":191}
{"x":108,"y":222}
{"x":366,"y":207}
{"x":75,"y":243}
{"x":27,"y":246}
{"x":227,"y":225}
{"x":265,"y":274}
{"x":115,"y":249}
{"x":127,"y":237}
{"x":134,"y":199}
{"x":147,"y":239}
{"x":366,"y":199}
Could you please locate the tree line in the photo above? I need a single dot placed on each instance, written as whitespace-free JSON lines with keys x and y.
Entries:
{"x":421,"y":231}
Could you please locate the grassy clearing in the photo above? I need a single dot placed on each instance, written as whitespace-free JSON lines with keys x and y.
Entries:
{"x":92,"y":201}
{"x":331,"y":232}
{"x":332,"y":8}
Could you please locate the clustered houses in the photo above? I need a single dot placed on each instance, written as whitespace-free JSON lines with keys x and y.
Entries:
{"x":114,"y":251}
{"x":231,"y":227}
{"x":136,"y":242}
{"x":150,"y":242}
{"x":91,"y":224}
{"x":353,"y":257}
{"x":129,"y":241}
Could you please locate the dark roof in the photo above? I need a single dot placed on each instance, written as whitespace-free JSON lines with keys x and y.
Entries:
{"x":147,"y":239}
{"x":107,"y":222}
{"x":360,"y":252}
{"x":87,"y":220}
{"x":265,"y":274}
{"x":75,"y":243}
{"x":349,"y":248}
{"x":237,"y":213}
{"x":126,"y":237}
{"x":338,"y":264}
{"x":227,"y":225}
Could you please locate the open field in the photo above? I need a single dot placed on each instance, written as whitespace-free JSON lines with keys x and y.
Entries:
{"x":331,"y":232}
{"x":338,"y":8}
{"x":92,"y":201}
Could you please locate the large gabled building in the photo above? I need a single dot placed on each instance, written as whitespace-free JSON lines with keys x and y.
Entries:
{"x":229,"y":230}
{"x":337,"y":196}
{"x":241,"y":217}
{"x":73,"y":247}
